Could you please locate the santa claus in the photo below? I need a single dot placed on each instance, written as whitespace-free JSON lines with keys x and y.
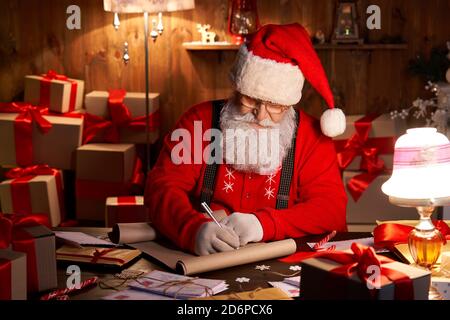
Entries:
{"x":280,"y":181}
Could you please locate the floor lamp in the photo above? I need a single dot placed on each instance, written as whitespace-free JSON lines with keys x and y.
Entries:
{"x":146,"y":7}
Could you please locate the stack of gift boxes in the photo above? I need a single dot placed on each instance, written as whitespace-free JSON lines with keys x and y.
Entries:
{"x":55,"y":131}
{"x":365,"y":155}
{"x":58,"y":129}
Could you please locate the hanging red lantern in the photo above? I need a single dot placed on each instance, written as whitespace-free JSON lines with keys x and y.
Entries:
{"x":243,"y":19}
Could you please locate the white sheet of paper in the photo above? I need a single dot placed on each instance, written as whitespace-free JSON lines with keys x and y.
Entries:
{"x":130,"y":294}
{"x":290,"y":290}
{"x":81,"y":238}
{"x":345,"y":244}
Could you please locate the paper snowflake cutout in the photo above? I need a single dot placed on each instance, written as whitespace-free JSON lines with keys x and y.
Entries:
{"x":229,"y":173}
{"x":228,"y":186}
{"x":262,"y":267}
{"x":269,"y":193}
{"x":242,"y":279}
{"x":295,"y":268}
{"x":271,"y":178}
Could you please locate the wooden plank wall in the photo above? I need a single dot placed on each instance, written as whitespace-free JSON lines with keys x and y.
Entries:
{"x":33,"y":39}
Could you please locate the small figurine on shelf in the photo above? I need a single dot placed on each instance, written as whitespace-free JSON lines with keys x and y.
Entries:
{"x":208,"y":37}
{"x":319,"y":37}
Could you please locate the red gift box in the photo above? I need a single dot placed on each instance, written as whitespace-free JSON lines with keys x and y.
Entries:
{"x":361,"y":274}
{"x":29,"y":135}
{"x":127,"y":209}
{"x":361,"y":144}
{"x":105,"y":170}
{"x":13,"y":275}
{"x":54,"y":91}
{"x":28,"y":234}
{"x":117,"y":116}
{"x":34,"y":190}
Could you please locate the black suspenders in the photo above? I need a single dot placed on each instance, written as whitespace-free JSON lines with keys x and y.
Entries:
{"x":209,"y":178}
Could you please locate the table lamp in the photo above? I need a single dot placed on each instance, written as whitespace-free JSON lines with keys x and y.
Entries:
{"x":421,"y":179}
{"x":146,"y":7}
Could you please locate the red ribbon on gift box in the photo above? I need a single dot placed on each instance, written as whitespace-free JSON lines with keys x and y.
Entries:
{"x":20,"y":189}
{"x":369,"y":149}
{"x":108,"y":130}
{"x":23,"y":128}
{"x":5,"y":279}
{"x":387,"y":235}
{"x":88,"y":189}
{"x":45,"y":89}
{"x":127,"y":210}
{"x":13,"y":232}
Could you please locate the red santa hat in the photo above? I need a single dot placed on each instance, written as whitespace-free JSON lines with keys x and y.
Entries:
{"x":273,"y":66}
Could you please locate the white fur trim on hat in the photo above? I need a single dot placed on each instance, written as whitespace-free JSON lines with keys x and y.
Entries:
{"x":332,"y":122}
{"x":266,"y":79}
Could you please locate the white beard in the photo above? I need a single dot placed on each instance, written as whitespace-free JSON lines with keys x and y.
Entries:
{"x":269,"y":145}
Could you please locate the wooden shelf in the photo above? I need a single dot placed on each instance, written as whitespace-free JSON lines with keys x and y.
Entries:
{"x":196,"y":46}
{"x":368,"y":46}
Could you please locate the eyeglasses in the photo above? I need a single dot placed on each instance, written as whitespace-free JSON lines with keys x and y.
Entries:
{"x":253,"y":105}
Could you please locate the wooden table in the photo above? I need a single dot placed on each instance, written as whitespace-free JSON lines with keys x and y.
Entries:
{"x":259,"y":279}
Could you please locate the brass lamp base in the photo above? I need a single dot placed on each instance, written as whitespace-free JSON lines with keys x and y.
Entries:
{"x":425,"y":241}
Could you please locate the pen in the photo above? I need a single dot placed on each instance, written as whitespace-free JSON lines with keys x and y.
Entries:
{"x":210,"y":213}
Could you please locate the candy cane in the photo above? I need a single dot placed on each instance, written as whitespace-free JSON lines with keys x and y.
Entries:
{"x":62,"y":294}
{"x":320,"y":244}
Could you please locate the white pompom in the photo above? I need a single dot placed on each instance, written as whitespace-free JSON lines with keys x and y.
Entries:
{"x":332,"y":122}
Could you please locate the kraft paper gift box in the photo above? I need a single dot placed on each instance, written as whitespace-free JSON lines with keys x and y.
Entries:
{"x":373,"y":204}
{"x":127,"y":209}
{"x":96,"y":103}
{"x":319,"y":282}
{"x":58,"y":95}
{"x":382,"y":134}
{"x":55,"y":148}
{"x":103,"y":170}
{"x":13,"y":275}
{"x":38,"y":243}
{"x":40,"y":194}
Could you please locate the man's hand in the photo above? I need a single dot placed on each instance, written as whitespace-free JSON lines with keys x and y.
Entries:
{"x":246,"y":226}
{"x":212,"y":239}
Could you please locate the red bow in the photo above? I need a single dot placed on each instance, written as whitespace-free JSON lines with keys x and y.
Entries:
{"x":387,"y":235}
{"x":10,"y":226}
{"x":23,"y":128}
{"x":32,"y":171}
{"x":369,"y":149}
{"x":120,"y":118}
{"x":361,"y":261}
{"x":52,"y":75}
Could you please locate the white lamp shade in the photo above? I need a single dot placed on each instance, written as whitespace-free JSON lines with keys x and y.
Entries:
{"x":421,"y":173}
{"x":151,"y":6}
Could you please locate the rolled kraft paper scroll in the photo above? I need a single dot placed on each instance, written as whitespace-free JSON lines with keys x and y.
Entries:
{"x":188,"y":264}
{"x":248,"y":254}
{"x":142,"y":231}
{"x":132,"y":232}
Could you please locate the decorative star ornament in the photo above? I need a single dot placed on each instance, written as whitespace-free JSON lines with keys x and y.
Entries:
{"x":295,"y":268}
{"x":242,"y":279}
{"x":262,"y":267}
